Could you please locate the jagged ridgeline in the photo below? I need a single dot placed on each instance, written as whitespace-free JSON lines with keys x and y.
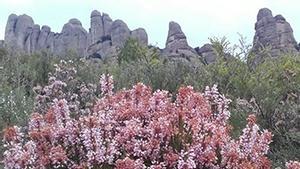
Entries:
{"x":106,"y":36}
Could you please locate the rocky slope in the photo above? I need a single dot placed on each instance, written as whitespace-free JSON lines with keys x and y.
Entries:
{"x":106,"y":36}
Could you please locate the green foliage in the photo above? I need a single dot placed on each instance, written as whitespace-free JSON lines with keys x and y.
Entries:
{"x":276,"y":86}
{"x":270,"y":89}
{"x":140,"y":64}
{"x":274,"y":81}
{"x":221,"y":45}
{"x":134,"y":51}
{"x":231,"y":75}
{"x":19,"y":74}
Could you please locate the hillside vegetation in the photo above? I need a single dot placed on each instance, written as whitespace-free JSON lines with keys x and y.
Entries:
{"x":270,"y":90}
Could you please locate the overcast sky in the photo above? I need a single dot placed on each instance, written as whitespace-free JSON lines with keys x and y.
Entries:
{"x":199,"y":19}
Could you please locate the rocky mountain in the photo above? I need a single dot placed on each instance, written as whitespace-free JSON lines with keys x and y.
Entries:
{"x":177,"y":44}
{"x":106,"y":36}
{"x":22,"y":34}
{"x":273,"y":33}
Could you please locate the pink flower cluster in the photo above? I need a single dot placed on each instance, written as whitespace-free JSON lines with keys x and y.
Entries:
{"x":138,"y":129}
{"x":293,"y":165}
{"x":62,"y":84}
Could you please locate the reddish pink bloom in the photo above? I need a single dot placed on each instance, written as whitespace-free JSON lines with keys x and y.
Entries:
{"x":127,"y":163}
{"x":293,"y":165}
{"x":148,"y":128}
{"x":12,"y":134}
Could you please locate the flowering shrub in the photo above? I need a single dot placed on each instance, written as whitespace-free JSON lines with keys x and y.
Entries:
{"x":293,"y":165}
{"x":133,"y":129}
{"x":62,"y":84}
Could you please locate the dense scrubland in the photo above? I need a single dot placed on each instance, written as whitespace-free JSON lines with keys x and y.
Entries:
{"x":42,"y":91}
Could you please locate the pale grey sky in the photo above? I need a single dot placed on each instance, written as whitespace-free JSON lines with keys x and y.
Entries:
{"x":199,"y":19}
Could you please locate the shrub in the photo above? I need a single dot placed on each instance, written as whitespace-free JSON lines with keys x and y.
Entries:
{"x":275,"y":86}
{"x":270,"y":89}
{"x":293,"y":164}
{"x":136,"y":128}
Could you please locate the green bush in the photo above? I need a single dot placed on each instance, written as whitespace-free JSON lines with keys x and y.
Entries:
{"x":275,"y":84}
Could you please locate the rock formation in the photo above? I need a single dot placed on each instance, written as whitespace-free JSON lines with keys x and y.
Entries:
{"x":2,"y":44}
{"x":109,"y":36}
{"x":140,"y":35}
{"x":273,"y":33}
{"x":72,"y":37}
{"x":46,"y":38}
{"x":17,"y":32}
{"x":119,"y":33}
{"x":100,"y":26}
{"x":105,"y":36}
{"x":176,"y":44}
{"x":208,"y":53}
{"x":22,"y":34}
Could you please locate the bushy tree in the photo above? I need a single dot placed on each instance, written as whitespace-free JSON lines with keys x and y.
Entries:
{"x":275,"y":86}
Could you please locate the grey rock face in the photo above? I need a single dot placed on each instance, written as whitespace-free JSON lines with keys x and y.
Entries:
{"x":109,"y":36}
{"x":176,"y":44}
{"x":10,"y":36}
{"x":119,"y":33}
{"x":176,"y":38}
{"x":96,"y":30}
{"x":140,"y":35}
{"x":18,"y":30}
{"x":264,"y":12}
{"x":105,"y":36}
{"x":208,"y":53}
{"x":107,"y":22}
{"x":100,"y":26}
{"x":72,"y":37}
{"x":102,"y":50}
{"x":34,"y":36}
{"x":2,"y":44}
{"x":22,"y":34}
{"x":274,"y":33}
{"x":44,"y":39}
